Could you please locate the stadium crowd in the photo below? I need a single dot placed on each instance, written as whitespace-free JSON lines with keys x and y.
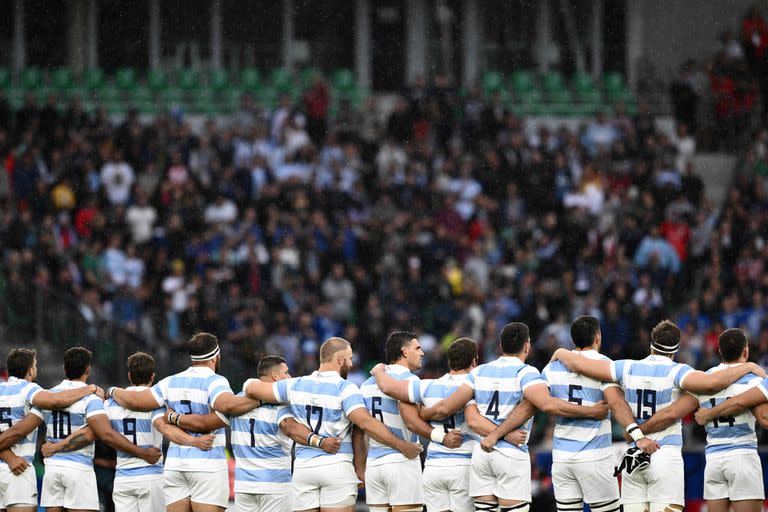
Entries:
{"x":280,"y":228}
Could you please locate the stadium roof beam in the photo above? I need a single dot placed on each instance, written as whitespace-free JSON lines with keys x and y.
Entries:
{"x":19,"y":38}
{"x":154,"y":34}
{"x":363,"y":47}
{"x":597,"y":39}
{"x":472,"y":42}
{"x":415,"y":39}
{"x":217,"y":42}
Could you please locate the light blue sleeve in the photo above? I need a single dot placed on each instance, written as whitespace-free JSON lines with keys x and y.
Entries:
{"x":93,"y":406}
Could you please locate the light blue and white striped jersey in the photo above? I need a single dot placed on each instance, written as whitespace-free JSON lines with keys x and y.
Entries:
{"x":730,"y":435}
{"x":62,"y":423}
{"x":16,"y":402}
{"x":650,"y":385}
{"x":322,"y":402}
{"x":138,"y":428}
{"x":578,"y":439}
{"x":194,"y":391}
{"x":428,"y":392}
{"x":384,"y":408}
{"x":498,"y":388}
{"x":262,"y":451}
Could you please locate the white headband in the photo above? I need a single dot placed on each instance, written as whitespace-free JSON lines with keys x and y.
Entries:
{"x":206,"y":357}
{"x":663,"y":349}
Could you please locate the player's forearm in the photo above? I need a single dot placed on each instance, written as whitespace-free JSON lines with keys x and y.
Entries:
{"x":74,"y":441}
{"x":413,"y":421}
{"x":202,"y":423}
{"x":760,"y":412}
{"x":359,"y":449}
{"x":382,"y":434}
{"x":263,"y":391}
{"x":730,"y":407}
{"x":120,"y":442}
{"x":142,"y":401}
{"x":62,"y":399}
{"x":296,"y":431}
{"x":235,"y":405}
{"x":7,"y":455}
{"x":10,"y":437}
{"x":173,"y":433}
{"x":566,"y":409}
{"x":620,"y":410}
{"x":482,"y":426}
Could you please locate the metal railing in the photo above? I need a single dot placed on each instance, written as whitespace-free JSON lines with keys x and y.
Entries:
{"x":51,"y":321}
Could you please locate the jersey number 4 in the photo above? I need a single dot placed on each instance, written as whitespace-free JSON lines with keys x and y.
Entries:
{"x":493,"y":406}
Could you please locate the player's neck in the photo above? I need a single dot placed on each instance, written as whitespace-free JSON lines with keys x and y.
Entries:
{"x":586,"y":349}
{"x":459,"y":372}
{"x":83,"y":378}
{"x":740,"y":360}
{"x":205,"y":364}
{"x":328,"y":367}
{"x":520,"y":356}
{"x":404,"y":363}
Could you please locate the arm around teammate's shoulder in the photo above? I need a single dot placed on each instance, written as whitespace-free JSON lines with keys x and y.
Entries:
{"x":760,"y":412}
{"x":264,"y":391}
{"x":598,"y":369}
{"x":664,"y":418}
{"x":397,"y":389}
{"x":709,"y":383}
{"x":179,"y":436}
{"x":450,"y":405}
{"x":734,"y":405}
{"x":143,"y":400}
{"x":59,"y":400}
{"x":538,"y":395}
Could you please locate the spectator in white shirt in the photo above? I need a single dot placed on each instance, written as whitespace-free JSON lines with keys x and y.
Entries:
{"x":141,"y":218}
{"x":222,"y":212}
{"x":117,"y":177}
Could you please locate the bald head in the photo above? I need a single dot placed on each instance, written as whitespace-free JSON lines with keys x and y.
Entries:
{"x":331,"y":347}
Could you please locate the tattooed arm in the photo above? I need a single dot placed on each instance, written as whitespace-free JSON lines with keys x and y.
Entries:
{"x":74,"y":441}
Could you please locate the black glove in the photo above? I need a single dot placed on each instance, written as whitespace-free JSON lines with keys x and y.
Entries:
{"x":634,"y":459}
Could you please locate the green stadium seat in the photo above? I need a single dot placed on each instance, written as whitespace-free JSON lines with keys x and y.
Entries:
{"x":281,"y":79}
{"x":93,"y":78}
{"x":218,"y":79}
{"x":561,"y":96}
{"x":108,"y":95}
{"x":31,"y":78}
{"x":343,"y":80}
{"x":267,"y":97}
{"x":6,"y":78}
{"x":614,"y":82}
{"x":552,"y":81}
{"x":187,"y":79}
{"x":141,"y":93}
{"x":522,"y":81}
{"x":147,"y":106}
{"x":583,"y":82}
{"x":529,"y":97}
{"x":125,"y":78}
{"x":62,"y":78}
{"x":231,"y":96}
{"x":492,"y":81}
{"x":157,"y":79}
{"x":589,"y":96}
{"x":171,"y":97}
{"x":77,"y":91}
{"x":116,"y":107}
{"x":250,"y":79}
{"x":307,"y":76}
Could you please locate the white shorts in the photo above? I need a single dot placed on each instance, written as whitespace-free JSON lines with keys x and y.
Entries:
{"x":590,"y":481}
{"x":246,"y":502}
{"x":394,"y":483}
{"x":138,"y":495}
{"x":738,"y":477}
{"x":494,"y":474}
{"x":17,"y":489}
{"x":324,"y":486}
{"x":69,"y":487}
{"x":446,"y":488}
{"x":663,"y":481}
{"x":208,"y":488}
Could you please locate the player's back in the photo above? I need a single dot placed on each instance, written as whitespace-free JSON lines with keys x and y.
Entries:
{"x":730,"y":435}
{"x":194,"y":391}
{"x":430,"y":392}
{"x":15,"y":399}
{"x":60,"y":424}
{"x":385,"y":409}
{"x":578,"y":439}
{"x":498,"y":388}
{"x":650,"y":385}
{"x":137,"y":428}
{"x":322,"y":402}
{"x":262,"y":451}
